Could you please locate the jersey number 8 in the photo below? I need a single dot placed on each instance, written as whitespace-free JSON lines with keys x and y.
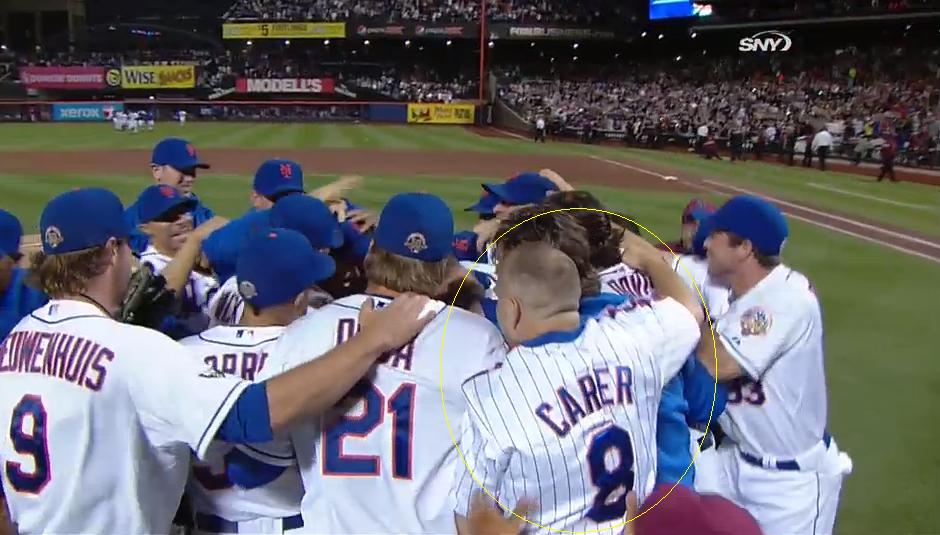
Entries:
{"x":613,"y":484}
{"x":32,"y":442}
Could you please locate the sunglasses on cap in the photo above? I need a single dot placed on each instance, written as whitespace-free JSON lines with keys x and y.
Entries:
{"x":172,"y":215}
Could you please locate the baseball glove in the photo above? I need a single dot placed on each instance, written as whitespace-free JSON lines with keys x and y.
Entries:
{"x":148,"y":301}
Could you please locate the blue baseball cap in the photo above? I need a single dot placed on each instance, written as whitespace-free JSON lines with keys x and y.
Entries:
{"x":524,"y":188}
{"x":177,"y":153}
{"x":416,"y":225}
{"x":222,"y":246}
{"x":277,"y":265}
{"x":485,"y":204}
{"x":11,"y":231}
{"x":159,"y":199}
{"x":81,"y":219}
{"x":275,"y":177}
{"x":753,"y":219}
{"x":465,"y":245}
{"x":702,"y":233}
{"x":309,"y":216}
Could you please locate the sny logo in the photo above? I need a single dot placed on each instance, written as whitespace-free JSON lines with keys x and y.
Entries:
{"x":766,"y":41}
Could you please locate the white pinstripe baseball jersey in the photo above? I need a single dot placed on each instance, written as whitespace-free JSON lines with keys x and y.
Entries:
{"x":624,"y":280}
{"x":197,"y":292}
{"x":242,"y":352}
{"x":569,"y":419}
{"x":384,"y":460}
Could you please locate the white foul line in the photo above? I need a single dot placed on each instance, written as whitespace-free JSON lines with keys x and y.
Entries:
{"x":791,"y":214}
{"x":508,"y":133}
{"x":871,"y":197}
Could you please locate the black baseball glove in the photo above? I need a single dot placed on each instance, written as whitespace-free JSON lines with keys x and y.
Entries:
{"x":148,"y":300}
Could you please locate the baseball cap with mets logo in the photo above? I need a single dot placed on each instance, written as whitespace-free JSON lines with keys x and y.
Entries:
{"x":177,"y":153}
{"x":278,"y":176}
{"x":160,"y":200}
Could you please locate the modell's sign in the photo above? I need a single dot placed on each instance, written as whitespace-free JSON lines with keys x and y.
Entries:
{"x":62,"y":77}
{"x":284,"y":85}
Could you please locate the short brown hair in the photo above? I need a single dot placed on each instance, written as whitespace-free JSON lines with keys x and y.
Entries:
{"x":67,"y":274}
{"x":603,"y":236}
{"x":401,"y":274}
{"x":766,"y":261}
{"x":560,"y":229}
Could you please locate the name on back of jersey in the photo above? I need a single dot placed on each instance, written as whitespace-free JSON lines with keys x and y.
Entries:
{"x":64,"y":356}
{"x":400,"y":358}
{"x":604,"y":387}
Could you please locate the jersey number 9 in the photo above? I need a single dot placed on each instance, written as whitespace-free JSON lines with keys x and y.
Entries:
{"x":613,"y":479}
{"x":32,"y":442}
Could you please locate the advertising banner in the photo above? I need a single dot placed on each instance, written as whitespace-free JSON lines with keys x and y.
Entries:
{"x":513,"y":31}
{"x":284,"y":30}
{"x":410,"y":29}
{"x":62,"y":77}
{"x":284,"y":85}
{"x":85,"y":111}
{"x":441,"y":113}
{"x":157,"y":77}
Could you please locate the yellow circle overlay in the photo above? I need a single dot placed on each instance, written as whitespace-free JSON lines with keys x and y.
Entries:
{"x":441,"y":365}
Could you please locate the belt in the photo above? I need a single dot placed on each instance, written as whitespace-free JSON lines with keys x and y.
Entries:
{"x":787,"y":464}
{"x":217,"y":524}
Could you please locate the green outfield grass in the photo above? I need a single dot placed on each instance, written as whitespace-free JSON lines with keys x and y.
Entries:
{"x":878,"y":304}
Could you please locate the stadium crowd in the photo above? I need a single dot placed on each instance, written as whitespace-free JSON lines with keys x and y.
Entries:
{"x":855,"y":94}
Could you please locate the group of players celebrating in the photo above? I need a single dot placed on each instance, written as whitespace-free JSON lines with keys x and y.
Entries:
{"x":298,"y":369}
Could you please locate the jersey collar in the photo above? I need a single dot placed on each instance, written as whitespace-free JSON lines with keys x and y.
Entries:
{"x":592,"y":306}
{"x":68,"y":308}
{"x":556,"y":337}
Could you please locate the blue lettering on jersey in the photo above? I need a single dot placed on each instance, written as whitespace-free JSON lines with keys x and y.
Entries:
{"x":604,"y":387}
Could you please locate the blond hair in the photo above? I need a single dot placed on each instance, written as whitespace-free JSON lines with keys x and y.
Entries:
{"x":401,"y":274}
{"x":69,"y":273}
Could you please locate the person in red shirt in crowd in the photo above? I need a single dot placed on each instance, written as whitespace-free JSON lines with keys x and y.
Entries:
{"x":888,"y":152}
{"x":692,"y":215}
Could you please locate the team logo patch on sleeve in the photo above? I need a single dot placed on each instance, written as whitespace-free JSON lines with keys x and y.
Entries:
{"x":755,"y":322}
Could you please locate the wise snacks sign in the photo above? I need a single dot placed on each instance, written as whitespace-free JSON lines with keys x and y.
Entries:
{"x":441,"y":113}
{"x":155,"y":76}
{"x":284,"y":85}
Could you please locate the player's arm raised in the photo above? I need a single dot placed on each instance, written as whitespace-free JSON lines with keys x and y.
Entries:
{"x":640,"y":254}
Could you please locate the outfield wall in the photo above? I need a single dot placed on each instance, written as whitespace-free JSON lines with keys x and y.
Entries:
{"x":233,"y":110}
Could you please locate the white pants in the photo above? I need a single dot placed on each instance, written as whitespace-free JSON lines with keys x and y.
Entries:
{"x":787,"y":502}
{"x":707,"y":465}
{"x":258,"y":526}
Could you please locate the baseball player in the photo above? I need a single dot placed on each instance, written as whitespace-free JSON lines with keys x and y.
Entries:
{"x":307,"y":215}
{"x":568,"y":420}
{"x":174,"y":162}
{"x":522,"y":189}
{"x":166,"y":220}
{"x":17,"y":299}
{"x":276,"y":270}
{"x":784,"y":467}
{"x":693,"y":213}
{"x":117,"y":120}
{"x":388,"y":440}
{"x":149,"y":116}
{"x":275,"y":179}
{"x":116,"y":410}
{"x":134,"y":122}
{"x":468,"y":246}
{"x":181,"y":117}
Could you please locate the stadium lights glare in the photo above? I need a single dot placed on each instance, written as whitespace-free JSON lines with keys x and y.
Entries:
{"x":286,"y":41}
{"x":643,"y":34}
{"x":366,"y":42}
{"x":617,"y":55}
{"x":3,"y":47}
{"x":408,"y":42}
{"x":449,"y":42}
{"x":151,"y":97}
{"x":326,"y":42}
{"x":575,"y":46}
{"x":575,"y":58}
{"x":532,"y":43}
{"x":249,"y":42}
{"x":660,"y":36}
{"x":678,"y":58}
{"x":491,"y":44}
{"x":694,"y":35}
